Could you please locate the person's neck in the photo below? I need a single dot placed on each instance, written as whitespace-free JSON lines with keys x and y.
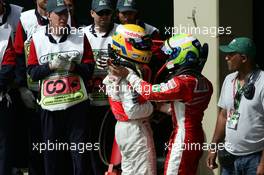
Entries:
{"x":244,"y":72}
{"x":41,"y":11}
{"x":54,"y":31}
{"x":58,"y":34}
{"x":101,"y":29}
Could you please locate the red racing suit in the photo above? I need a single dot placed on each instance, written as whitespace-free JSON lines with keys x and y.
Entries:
{"x":189,"y":97}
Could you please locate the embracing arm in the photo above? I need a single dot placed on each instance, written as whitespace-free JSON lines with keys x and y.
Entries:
{"x":168,"y":91}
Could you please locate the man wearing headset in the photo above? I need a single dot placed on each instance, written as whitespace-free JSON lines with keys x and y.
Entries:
{"x":240,"y":121}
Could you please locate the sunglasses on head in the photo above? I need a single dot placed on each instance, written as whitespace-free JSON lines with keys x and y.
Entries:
{"x":104,"y":12}
{"x":173,"y":52}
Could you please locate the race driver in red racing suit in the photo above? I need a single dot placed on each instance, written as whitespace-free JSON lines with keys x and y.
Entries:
{"x":188,"y":92}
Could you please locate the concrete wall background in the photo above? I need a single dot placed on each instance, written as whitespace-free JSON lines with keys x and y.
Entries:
{"x":206,"y":16}
{"x":239,"y":16}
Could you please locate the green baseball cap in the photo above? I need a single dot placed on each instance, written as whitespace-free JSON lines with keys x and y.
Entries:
{"x":242,"y":45}
{"x":56,"y":6}
{"x":98,"y":5}
{"x":126,"y":5}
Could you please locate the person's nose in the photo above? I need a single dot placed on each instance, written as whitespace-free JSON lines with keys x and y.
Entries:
{"x":63,"y":17}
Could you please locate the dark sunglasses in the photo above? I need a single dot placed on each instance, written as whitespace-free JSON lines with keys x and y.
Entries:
{"x":143,"y":43}
{"x":104,"y":12}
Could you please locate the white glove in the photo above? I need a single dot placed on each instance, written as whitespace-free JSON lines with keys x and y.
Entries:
{"x":66,"y":61}
{"x":56,"y":63}
{"x":68,"y":56}
{"x":27,"y":97}
{"x":101,"y":62}
{"x":61,"y":62}
{"x":101,"y":59}
{"x":73,"y":56}
{"x":112,"y":86}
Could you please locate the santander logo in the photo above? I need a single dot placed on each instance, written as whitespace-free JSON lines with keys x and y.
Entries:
{"x":133,"y":34}
{"x":129,"y":32}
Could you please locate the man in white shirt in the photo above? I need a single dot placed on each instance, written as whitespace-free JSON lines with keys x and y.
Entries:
{"x":240,"y":122}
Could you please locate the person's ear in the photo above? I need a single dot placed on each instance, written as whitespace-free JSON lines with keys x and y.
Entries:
{"x":48,"y":15}
{"x":244,"y":58}
{"x":92,"y":13}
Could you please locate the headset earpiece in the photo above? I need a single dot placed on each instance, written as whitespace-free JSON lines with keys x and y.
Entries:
{"x":249,"y":89}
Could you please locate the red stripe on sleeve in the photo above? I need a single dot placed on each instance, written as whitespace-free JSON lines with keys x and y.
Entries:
{"x":87,"y":52}
{"x":19,"y":39}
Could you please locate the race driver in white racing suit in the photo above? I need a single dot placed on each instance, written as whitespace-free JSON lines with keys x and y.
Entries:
{"x":132,"y":131}
{"x":188,"y":92}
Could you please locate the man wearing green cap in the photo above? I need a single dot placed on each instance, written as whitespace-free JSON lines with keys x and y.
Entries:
{"x":240,"y":45}
{"x":99,"y":34}
{"x":128,"y":14}
{"x":25,"y":94}
{"x":240,"y":122}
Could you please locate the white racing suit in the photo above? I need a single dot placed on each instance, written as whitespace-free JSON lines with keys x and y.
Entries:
{"x":132,"y":132}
